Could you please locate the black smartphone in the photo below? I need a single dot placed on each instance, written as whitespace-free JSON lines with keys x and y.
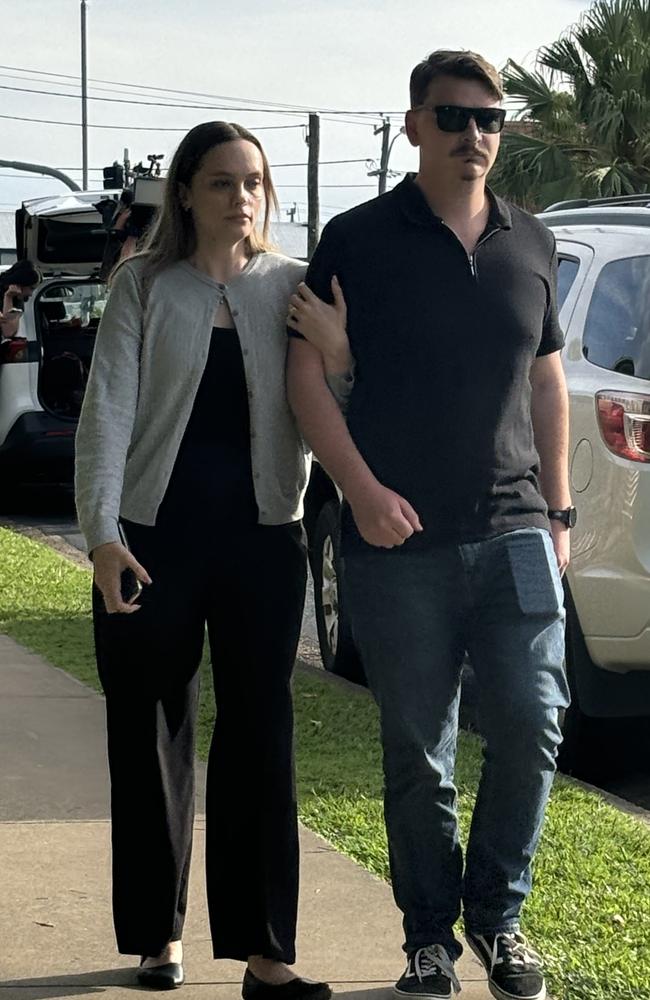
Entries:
{"x":18,"y":301}
{"x":130,"y":586}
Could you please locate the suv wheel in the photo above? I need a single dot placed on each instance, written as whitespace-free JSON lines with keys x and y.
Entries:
{"x":580,"y":750}
{"x":336,"y":646}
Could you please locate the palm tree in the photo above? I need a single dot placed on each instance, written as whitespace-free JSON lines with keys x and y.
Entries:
{"x":588,"y":111}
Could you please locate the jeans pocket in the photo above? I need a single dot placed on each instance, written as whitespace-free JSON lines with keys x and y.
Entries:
{"x":535,"y":575}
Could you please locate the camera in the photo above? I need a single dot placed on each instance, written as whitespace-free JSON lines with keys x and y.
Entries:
{"x":146,"y":200}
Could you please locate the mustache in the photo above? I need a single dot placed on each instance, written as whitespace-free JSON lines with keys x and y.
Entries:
{"x":467,"y":150}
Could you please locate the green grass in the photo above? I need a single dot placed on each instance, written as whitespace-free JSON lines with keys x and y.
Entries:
{"x":590,"y":912}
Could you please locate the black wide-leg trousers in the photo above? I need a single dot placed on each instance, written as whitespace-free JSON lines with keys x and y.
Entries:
{"x":248,"y":587}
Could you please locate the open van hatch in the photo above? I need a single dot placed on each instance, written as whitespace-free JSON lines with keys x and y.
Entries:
{"x":63,"y":234}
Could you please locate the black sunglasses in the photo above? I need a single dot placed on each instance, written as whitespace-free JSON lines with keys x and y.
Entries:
{"x":453,"y":118}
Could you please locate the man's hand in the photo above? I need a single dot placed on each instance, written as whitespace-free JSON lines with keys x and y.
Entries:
{"x":324,"y":326}
{"x":383,"y":517}
{"x":110,"y":561}
{"x":561,"y":536}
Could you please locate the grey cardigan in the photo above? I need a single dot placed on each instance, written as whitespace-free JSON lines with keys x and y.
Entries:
{"x":147,"y":364}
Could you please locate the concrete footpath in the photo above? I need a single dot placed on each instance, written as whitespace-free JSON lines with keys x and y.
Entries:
{"x":56,"y":936}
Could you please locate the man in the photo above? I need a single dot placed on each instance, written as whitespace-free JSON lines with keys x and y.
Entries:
{"x":456,"y":444}
{"x":17,"y":284}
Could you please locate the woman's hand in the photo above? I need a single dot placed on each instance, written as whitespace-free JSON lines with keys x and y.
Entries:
{"x":323,"y":325}
{"x":110,"y":561}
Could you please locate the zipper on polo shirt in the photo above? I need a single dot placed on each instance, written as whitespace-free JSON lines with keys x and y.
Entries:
{"x":471,"y":257}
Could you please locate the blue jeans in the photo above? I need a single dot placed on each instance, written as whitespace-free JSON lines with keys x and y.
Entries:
{"x":413,"y":618}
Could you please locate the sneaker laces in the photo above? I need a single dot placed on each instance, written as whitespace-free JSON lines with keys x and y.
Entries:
{"x":517,"y":951}
{"x":432,"y":959}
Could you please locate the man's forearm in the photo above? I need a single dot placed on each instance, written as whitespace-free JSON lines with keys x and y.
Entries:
{"x":9,"y":327}
{"x":321,"y":422}
{"x":550,"y":413}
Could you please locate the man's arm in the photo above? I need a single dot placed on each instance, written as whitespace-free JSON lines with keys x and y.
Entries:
{"x":383,"y":517}
{"x":9,"y":322}
{"x":550,"y":414}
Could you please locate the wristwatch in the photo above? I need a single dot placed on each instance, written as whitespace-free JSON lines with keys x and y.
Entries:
{"x":568,"y":516}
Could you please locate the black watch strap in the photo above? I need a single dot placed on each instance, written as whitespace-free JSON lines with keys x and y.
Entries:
{"x":568,"y":516}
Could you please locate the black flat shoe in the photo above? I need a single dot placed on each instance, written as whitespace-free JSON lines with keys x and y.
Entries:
{"x":161,"y":977}
{"x":296,"y":989}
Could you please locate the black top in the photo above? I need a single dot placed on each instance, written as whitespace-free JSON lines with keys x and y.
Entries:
{"x":212,"y":475}
{"x":444,"y":345}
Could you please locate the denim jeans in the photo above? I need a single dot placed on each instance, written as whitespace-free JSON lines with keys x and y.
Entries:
{"x":413,"y":618}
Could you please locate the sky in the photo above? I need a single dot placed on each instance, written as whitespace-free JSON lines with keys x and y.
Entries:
{"x":329,"y":55}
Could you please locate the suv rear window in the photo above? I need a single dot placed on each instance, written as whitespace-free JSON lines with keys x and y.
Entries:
{"x":617,"y":328}
{"x":567,"y":269}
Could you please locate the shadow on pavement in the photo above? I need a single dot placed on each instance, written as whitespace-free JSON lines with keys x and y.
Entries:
{"x":81,"y":984}
{"x":96,"y":982}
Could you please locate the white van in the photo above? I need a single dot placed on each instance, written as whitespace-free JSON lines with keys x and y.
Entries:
{"x":44,"y":369}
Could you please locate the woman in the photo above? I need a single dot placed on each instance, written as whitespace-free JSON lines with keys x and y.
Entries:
{"x":190,"y":477}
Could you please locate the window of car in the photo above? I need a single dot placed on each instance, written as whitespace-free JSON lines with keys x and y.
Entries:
{"x":567,"y":270}
{"x":617,"y":329}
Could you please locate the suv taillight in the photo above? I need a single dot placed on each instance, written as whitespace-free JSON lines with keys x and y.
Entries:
{"x":624,"y":421}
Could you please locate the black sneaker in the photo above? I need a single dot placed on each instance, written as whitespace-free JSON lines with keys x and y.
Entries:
{"x":514,"y":969}
{"x":429,"y":973}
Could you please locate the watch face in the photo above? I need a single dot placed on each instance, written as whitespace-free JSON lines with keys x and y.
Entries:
{"x":573,"y":516}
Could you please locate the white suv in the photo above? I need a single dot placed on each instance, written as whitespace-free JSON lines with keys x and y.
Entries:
{"x":604,"y":298}
{"x":43,"y":371}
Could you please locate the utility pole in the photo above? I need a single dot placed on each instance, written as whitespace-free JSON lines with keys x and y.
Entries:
{"x":84,"y":101}
{"x":313,"y":217}
{"x":384,"y":128}
{"x":382,"y":172}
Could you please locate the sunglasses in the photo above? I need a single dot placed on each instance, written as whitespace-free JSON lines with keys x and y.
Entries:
{"x":452,"y":118}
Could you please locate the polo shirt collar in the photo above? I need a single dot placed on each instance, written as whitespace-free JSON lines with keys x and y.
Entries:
{"x":416,"y":208}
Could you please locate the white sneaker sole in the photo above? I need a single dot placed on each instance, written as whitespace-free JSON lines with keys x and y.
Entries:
{"x":423,"y":996}
{"x":498,"y":993}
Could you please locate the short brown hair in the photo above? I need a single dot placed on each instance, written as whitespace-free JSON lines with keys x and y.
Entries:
{"x":463,"y":64}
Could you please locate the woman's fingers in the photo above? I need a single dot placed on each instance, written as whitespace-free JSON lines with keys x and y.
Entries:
{"x":306,"y":293}
{"x":111,"y":560}
{"x":339,"y":299}
{"x":139,"y":570}
{"x":112,"y":594}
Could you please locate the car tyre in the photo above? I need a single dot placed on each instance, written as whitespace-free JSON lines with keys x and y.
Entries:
{"x":338,"y":652}
{"x":581,"y":750}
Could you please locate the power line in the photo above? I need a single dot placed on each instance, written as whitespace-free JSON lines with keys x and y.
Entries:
{"x":292,"y":108}
{"x":215,"y":107}
{"x":134,"y":128}
{"x":148,"y":104}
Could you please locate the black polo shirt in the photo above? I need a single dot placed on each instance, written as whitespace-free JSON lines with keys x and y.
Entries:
{"x":444,"y":344}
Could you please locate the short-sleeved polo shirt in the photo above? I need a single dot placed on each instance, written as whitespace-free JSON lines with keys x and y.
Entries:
{"x":443,"y":344}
